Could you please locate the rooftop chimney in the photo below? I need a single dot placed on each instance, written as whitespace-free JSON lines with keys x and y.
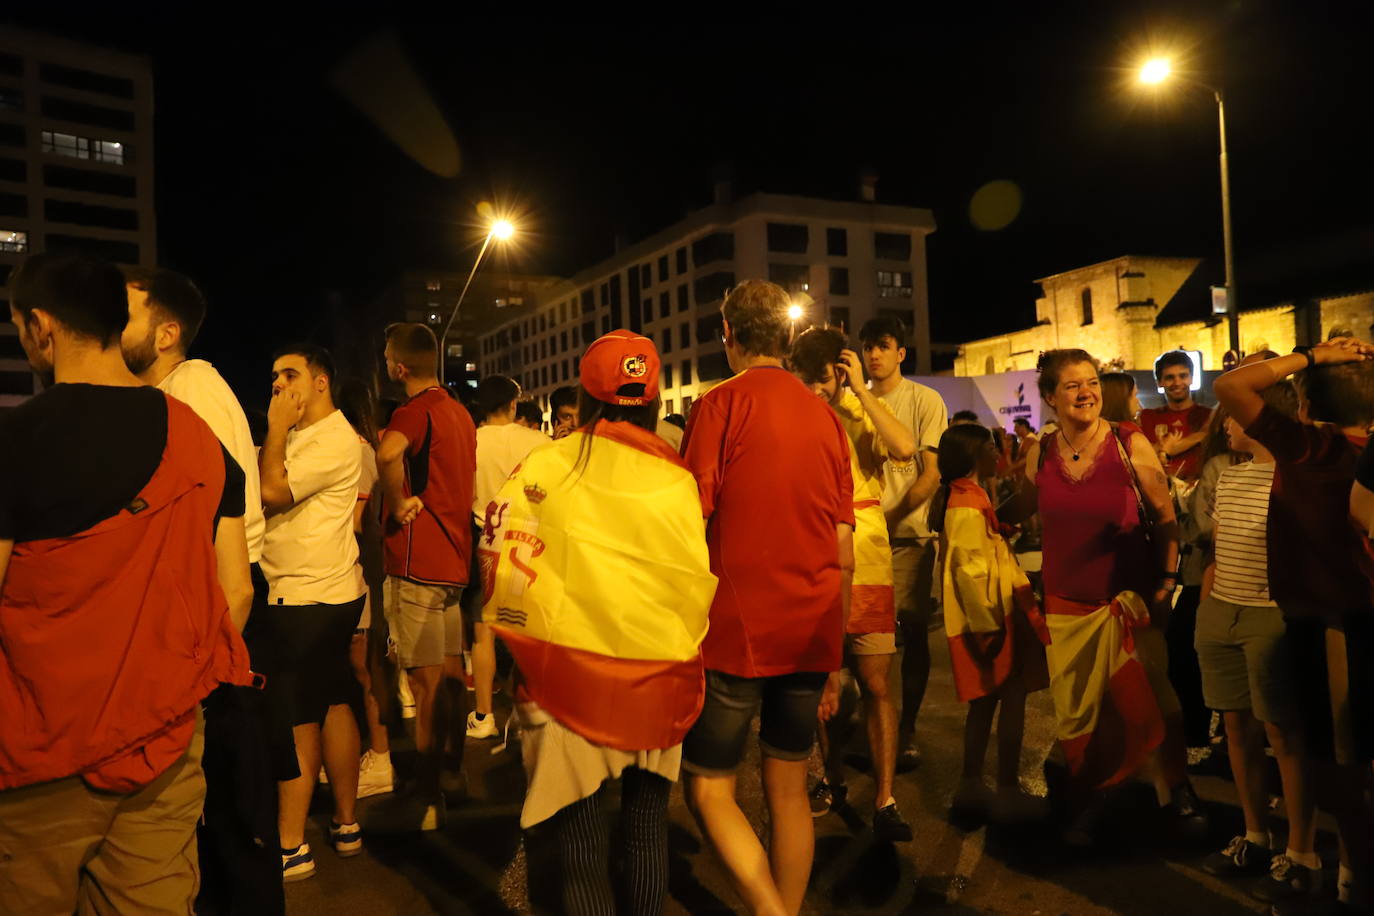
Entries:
{"x":868,"y":185}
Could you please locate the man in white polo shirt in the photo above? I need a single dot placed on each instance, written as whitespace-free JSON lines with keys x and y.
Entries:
{"x":309,"y":465}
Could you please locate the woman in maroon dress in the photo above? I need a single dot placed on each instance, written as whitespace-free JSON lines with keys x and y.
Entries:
{"x":1110,"y":554}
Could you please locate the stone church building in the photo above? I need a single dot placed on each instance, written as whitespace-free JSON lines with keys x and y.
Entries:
{"x":1129,"y":310}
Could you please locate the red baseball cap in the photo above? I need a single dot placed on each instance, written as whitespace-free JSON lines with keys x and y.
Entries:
{"x":621,"y":368}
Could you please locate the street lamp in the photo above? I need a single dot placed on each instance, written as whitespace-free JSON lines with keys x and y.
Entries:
{"x":501,"y":230}
{"x":794,"y":312}
{"x":1152,"y":73}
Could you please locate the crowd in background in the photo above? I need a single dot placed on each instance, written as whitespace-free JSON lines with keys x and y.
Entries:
{"x":205,"y":614}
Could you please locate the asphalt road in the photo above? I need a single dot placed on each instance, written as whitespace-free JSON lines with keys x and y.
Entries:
{"x":480,"y":862}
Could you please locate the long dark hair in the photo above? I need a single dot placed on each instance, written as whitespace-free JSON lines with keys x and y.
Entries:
{"x":1117,"y":388}
{"x":960,"y":448}
{"x":358,"y":402}
{"x":591,"y":411}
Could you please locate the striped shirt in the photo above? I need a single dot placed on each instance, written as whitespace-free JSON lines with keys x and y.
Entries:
{"x":1241,"y":511}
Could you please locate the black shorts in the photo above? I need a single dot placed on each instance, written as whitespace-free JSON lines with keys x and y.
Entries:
{"x":1347,"y":736}
{"x":787,"y":725}
{"x":309,"y":668}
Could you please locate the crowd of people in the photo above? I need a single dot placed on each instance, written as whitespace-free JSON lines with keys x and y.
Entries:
{"x":198,"y":626}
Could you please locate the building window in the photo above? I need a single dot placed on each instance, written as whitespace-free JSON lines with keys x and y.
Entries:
{"x":1086,"y":298}
{"x":14,"y":170}
{"x":62,"y":144}
{"x":682,"y":298}
{"x":57,"y":176}
{"x":667,"y":375}
{"x":713,"y":286}
{"x":668,"y":407}
{"x":894,"y":284}
{"x":682,"y":260}
{"x":665,"y":304}
{"x":989,"y":366}
{"x":646,"y":276}
{"x":14,"y":205}
{"x":791,"y":277}
{"x":663,"y":269}
{"x":684,"y":334}
{"x":432,"y":285}
{"x":649,"y":309}
{"x":667,"y":340}
{"x":605,"y":324}
{"x":712,"y":367}
{"x":577,"y":365}
{"x":686,"y":372}
{"x":565,"y":370}
{"x":605,"y":293}
{"x":86,"y":81}
{"x":588,"y":301}
{"x":892,"y":246}
{"x":788,"y":237}
{"x":13,"y":241}
{"x":82,"y":113}
{"x":837,"y":243}
{"x":13,"y":135}
{"x":686,"y":405}
{"x":68,"y":211}
{"x":11,"y":99}
{"x":563,"y":341}
{"x":839,"y":318}
{"x":839,"y":281}
{"x":718,"y":246}
{"x":710,"y":328}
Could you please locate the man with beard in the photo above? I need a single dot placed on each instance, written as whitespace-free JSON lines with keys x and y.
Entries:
{"x":238,"y":867}
{"x":1177,"y":429}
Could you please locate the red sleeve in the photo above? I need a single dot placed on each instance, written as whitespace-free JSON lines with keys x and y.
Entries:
{"x":410,"y":421}
{"x":844,"y":510}
{"x":1147,"y":424}
{"x":703,"y":450}
{"x":1289,"y":441}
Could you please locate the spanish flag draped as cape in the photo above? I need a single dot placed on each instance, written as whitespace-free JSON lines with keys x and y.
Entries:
{"x":993,"y":624}
{"x":872,"y":608}
{"x":1108,"y":677}
{"x":596,"y":576}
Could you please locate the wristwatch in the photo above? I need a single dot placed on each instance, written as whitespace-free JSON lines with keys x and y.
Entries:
{"x":1307,"y":352}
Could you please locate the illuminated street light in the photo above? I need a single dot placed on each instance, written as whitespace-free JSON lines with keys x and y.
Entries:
{"x":794,"y":311}
{"x":501,"y":230}
{"x":1152,"y":73}
{"x":1155,"y":71}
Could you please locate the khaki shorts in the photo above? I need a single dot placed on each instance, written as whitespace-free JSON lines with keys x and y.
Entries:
{"x":1244,"y":654}
{"x":870,"y":643}
{"x":913,"y":582}
{"x":426,"y":621}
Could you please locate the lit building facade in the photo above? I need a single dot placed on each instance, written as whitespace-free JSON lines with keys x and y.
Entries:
{"x":76,"y":165}
{"x":844,"y":261}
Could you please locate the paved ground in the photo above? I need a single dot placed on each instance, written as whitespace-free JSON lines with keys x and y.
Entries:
{"x":481,"y":864}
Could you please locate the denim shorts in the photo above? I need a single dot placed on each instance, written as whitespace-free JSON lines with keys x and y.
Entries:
{"x":785,"y":703}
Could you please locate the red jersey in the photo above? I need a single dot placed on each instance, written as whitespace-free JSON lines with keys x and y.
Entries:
{"x":772,"y":466}
{"x":440,"y":461}
{"x":1188,"y":465}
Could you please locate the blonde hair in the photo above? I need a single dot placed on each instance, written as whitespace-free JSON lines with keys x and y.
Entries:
{"x":757,"y":313}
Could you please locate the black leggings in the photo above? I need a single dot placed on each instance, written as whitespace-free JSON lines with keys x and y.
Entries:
{"x":584,"y":846}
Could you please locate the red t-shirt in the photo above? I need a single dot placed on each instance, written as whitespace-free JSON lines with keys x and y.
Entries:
{"x":772,"y":465}
{"x":1188,"y":465}
{"x":1319,"y":562}
{"x":441,"y":459}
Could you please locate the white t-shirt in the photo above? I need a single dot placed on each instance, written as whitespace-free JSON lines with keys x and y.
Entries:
{"x":197,"y":384}
{"x":1242,"y":545}
{"x":310,"y":555}
{"x":499,"y":450}
{"x":670,"y":434}
{"x":921,"y":410}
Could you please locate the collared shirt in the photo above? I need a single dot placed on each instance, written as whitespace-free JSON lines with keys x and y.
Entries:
{"x":196,"y":383}
{"x":921,"y":410}
{"x":310,"y":555}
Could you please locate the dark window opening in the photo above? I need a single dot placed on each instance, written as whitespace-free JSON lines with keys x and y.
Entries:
{"x":682,"y":298}
{"x":663,"y":269}
{"x":837,"y":243}
{"x":86,"y":81}
{"x":107,"y":249}
{"x":794,"y":278}
{"x":82,"y":113}
{"x":892,"y":246}
{"x":788,"y":237}
{"x":839,"y":281}
{"x":712,"y":367}
{"x":718,"y":246}
{"x":1086,"y":298}
{"x":713,"y":287}
{"x":682,"y":260}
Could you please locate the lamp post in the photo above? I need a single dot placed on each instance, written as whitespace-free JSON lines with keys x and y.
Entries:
{"x":1152,"y":73}
{"x":501,"y":230}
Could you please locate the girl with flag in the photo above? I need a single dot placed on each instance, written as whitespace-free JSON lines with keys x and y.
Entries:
{"x":996,"y":632}
{"x":596,"y":576}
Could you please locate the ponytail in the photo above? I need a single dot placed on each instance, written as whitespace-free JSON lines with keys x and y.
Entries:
{"x":960,"y":447}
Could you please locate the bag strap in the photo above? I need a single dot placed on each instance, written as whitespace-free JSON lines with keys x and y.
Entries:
{"x":1145,"y":516}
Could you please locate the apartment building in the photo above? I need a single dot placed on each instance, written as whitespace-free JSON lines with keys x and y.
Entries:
{"x":843,"y":261}
{"x":76,"y":164}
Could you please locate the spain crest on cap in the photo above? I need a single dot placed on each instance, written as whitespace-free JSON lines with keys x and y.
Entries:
{"x":635,"y":366}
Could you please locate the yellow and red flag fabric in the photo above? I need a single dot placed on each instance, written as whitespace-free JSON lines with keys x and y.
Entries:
{"x":872,"y":607}
{"x":1110,"y":710}
{"x":992,"y":621}
{"x":596,"y":575}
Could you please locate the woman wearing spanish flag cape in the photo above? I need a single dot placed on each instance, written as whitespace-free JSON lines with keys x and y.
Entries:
{"x":596,"y":577}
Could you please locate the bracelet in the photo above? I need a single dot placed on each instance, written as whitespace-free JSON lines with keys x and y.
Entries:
{"x":1171,"y":576}
{"x":1306,"y":352}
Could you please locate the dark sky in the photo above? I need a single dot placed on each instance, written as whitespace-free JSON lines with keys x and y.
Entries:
{"x":273,"y":190}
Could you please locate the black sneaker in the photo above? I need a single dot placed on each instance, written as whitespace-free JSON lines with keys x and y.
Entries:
{"x":889,"y":825}
{"x":1186,"y":812}
{"x":1240,"y":859}
{"x":909,"y":759}
{"x":825,"y":796}
{"x":1287,"y":881}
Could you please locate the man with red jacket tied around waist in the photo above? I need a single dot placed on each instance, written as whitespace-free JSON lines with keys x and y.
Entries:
{"x":121,"y":534}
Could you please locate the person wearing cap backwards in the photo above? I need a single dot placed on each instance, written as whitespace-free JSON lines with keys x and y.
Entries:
{"x":596,"y":576}
{"x":780,"y":529}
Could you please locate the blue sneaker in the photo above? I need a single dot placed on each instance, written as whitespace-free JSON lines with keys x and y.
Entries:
{"x":347,"y":839}
{"x":297,"y":864}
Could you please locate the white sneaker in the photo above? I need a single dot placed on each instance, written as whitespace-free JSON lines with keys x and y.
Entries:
{"x":484,"y":728}
{"x":407,"y":698}
{"x":375,"y":775}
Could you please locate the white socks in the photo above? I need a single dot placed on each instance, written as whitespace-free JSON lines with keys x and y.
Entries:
{"x":1305,"y":859}
{"x":1262,"y":838}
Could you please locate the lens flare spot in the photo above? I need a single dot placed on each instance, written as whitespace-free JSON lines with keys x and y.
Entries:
{"x":995,"y":205}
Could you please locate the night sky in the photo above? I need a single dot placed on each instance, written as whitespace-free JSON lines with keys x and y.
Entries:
{"x":274,"y":191}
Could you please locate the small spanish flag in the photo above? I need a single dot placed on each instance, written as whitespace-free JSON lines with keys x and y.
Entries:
{"x":596,"y":575}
